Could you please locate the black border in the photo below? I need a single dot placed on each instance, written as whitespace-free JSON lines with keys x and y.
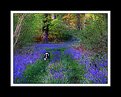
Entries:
{"x":90,"y":5}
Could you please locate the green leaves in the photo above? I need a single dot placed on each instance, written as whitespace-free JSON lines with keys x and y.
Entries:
{"x":35,"y":71}
{"x":57,"y":25}
{"x":94,"y":32}
{"x":76,"y":72}
{"x":64,"y":71}
{"x":31,"y":27}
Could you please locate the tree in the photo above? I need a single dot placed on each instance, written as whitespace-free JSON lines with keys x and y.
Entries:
{"x":45,"y":28}
{"x":17,"y":31}
{"x":106,"y":20}
{"x":78,"y":21}
{"x":83,"y":21}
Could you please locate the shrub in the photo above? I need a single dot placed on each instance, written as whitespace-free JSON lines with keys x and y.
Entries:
{"x":34,"y":73}
{"x":64,"y":70}
{"x":94,"y":36}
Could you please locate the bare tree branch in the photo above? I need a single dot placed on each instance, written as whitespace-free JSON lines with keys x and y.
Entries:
{"x":18,"y":29}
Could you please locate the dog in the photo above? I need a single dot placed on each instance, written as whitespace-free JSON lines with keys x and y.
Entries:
{"x":46,"y":56}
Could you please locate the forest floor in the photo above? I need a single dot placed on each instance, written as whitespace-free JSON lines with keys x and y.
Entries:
{"x":30,"y":54}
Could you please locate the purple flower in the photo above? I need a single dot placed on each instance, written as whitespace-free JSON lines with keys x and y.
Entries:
{"x":75,"y":54}
{"x":58,"y":75}
{"x":103,"y":63}
{"x":30,"y":54}
{"x":96,"y":76}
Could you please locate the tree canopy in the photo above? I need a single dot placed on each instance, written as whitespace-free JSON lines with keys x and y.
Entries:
{"x":89,"y":28}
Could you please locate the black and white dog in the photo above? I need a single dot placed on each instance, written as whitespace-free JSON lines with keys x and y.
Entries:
{"x":46,"y":56}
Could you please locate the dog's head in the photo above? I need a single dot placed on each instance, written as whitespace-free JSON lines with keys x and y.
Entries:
{"x":46,"y":55}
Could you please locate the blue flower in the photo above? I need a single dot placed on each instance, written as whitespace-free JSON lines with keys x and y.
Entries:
{"x":58,"y":75}
{"x":97,"y":74}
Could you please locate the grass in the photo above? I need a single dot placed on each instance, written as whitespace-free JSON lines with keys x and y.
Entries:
{"x":63,"y":71}
{"x":35,"y":72}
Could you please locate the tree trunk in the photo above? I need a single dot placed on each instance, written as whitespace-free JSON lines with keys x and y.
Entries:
{"x":78,"y":21}
{"x":16,"y":34}
{"x":46,"y":34}
{"x":45,"y":28}
{"x":84,"y":21}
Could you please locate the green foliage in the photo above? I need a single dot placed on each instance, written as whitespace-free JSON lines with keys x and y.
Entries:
{"x":93,"y":35}
{"x":30,"y":28}
{"x":16,"y":17}
{"x":34,"y":73}
{"x":39,"y":72}
{"x":95,"y":32}
{"x":57,"y":25}
{"x":75,"y":71}
{"x":58,"y":28}
{"x":15,"y":21}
